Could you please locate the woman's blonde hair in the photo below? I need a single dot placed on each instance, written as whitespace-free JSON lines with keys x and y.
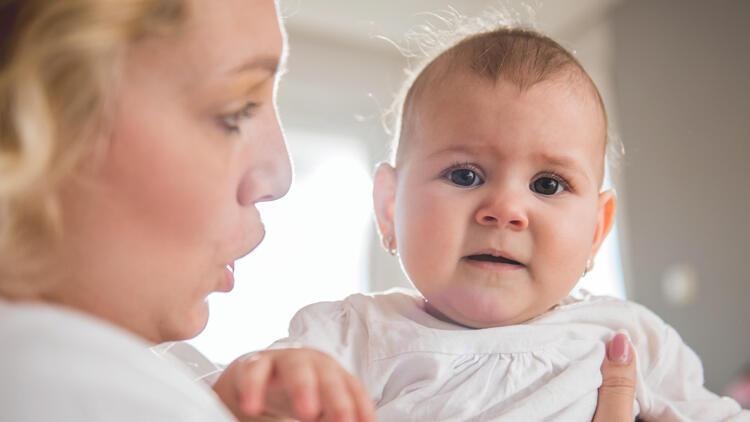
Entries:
{"x":59,"y":63}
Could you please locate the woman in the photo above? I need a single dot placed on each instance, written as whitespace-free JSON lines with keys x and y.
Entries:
{"x":137,"y":137}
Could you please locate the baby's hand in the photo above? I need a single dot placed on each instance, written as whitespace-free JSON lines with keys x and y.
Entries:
{"x":293,"y":383}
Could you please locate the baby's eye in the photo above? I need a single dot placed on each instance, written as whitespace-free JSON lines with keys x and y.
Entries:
{"x":464,"y":177}
{"x":231,"y":122}
{"x":547,"y":185}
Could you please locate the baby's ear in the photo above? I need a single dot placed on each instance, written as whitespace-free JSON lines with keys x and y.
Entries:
{"x":384,"y":200}
{"x":605,"y":217}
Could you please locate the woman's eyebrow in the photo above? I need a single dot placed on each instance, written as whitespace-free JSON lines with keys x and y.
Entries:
{"x":268,"y":63}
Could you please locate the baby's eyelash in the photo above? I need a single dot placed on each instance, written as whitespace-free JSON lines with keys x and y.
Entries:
{"x":231,"y":121}
{"x":461,"y":165}
{"x":567,"y":185}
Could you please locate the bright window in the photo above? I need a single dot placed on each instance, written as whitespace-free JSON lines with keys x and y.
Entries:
{"x":315,"y":249}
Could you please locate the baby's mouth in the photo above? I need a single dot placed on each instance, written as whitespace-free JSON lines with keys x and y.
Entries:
{"x":493,"y":258}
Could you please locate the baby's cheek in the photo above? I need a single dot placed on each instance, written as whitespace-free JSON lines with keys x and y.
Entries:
{"x":567,"y":250}
{"x":426,"y":234}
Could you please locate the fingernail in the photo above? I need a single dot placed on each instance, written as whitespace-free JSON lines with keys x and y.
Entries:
{"x":619,"y":352}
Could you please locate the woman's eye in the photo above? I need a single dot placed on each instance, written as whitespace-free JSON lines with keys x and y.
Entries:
{"x":465,"y":177}
{"x":547,"y":186}
{"x":232,"y":121}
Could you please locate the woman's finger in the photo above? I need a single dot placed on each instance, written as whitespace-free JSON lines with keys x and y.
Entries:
{"x":338,"y":404}
{"x":617,"y":391}
{"x":365,"y":409}
{"x":252,"y":381}
{"x":300,"y":381}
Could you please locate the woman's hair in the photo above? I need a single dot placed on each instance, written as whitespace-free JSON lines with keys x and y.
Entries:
{"x":59,"y":63}
{"x":521,"y":56}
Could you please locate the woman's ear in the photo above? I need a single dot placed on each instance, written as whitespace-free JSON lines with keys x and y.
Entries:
{"x":384,"y":201}
{"x":605,"y":219}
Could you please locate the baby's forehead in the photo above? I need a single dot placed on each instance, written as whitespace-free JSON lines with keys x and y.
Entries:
{"x":447,"y":95}
{"x":465,"y":112}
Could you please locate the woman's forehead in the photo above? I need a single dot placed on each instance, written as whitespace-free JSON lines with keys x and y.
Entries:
{"x":220,"y":38}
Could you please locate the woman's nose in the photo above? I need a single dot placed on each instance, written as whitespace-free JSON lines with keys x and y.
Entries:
{"x":503,"y":209}
{"x":270,"y":175}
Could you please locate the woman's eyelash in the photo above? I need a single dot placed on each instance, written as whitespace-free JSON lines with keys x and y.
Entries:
{"x":231,"y":122}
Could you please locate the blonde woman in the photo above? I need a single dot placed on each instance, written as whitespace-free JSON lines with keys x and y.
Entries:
{"x":136,"y":138}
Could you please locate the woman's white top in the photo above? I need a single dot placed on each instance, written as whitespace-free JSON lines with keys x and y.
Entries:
{"x":60,"y":365}
{"x":418,"y":368}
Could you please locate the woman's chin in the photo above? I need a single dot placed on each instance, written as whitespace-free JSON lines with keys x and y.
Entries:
{"x":186,"y":325}
{"x":200,"y":320}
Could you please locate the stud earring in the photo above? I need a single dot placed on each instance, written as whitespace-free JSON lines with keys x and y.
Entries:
{"x":388,"y":245}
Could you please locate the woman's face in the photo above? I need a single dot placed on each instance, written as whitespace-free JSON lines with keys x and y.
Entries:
{"x":194,"y":145}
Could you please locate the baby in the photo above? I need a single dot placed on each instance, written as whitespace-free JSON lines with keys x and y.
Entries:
{"x":494,"y":205}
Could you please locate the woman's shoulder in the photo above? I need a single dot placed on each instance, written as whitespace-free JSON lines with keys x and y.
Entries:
{"x":60,"y":364}
{"x":59,"y":340}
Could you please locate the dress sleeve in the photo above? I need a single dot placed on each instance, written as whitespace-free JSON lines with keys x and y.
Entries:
{"x":673,"y":378}
{"x":334,"y":328}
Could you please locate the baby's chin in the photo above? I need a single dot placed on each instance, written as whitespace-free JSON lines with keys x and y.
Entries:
{"x":478,"y":310}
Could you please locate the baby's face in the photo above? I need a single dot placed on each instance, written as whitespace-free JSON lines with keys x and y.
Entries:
{"x":497,"y":202}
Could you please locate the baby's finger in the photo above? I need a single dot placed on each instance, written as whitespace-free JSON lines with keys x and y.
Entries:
{"x":365,"y":408}
{"x":252,"y":383}
{"x":338,"y":404}
{"x":300,"y":381}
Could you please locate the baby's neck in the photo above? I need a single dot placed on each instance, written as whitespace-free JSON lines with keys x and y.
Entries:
{"x":435,"y":313}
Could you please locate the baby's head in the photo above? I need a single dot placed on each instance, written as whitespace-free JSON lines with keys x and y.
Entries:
{"x":493,"y":201}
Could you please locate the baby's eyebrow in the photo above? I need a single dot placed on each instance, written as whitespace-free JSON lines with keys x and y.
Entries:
{"x":562,"y":161}
{"x":558,"y":160}
{"x":464,"y":149}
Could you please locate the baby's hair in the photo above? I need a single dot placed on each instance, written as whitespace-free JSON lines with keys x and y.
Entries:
{"x":491,"y":49}
{"x":59,"y":64}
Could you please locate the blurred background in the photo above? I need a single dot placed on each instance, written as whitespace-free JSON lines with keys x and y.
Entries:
{"x":675,"y":75}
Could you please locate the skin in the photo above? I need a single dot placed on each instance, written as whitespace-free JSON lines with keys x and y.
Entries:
{"x":509,"y":138}
{"x":168,"y":200}
{"x":169,"y":197}
{"x":160,"y":233}
{"x":503,"y":140}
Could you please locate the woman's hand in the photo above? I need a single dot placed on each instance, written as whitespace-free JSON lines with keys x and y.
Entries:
{"x":617,"y":391}
{"x":303,"y":384}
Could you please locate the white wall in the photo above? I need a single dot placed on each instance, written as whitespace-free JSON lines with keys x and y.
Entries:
{"x":682,"y":69}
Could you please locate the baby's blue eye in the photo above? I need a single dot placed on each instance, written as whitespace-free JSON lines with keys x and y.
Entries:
{"x":547,"y":186}
{"x":465,"y":177}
